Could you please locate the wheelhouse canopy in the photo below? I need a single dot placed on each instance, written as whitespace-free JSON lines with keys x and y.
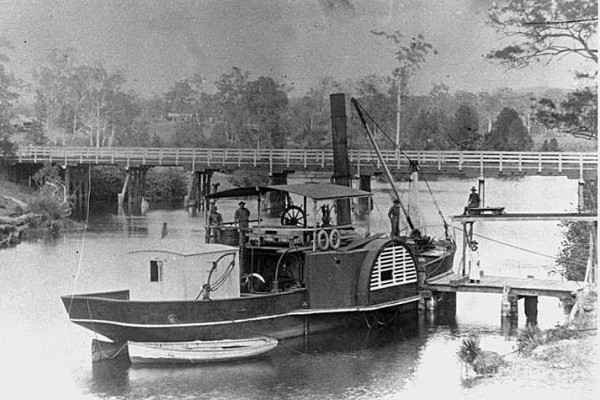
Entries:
{"x":315,"y":191}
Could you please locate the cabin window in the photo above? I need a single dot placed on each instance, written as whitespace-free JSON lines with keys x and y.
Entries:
{"x":393,"y":267}
{"x":155,"y":271}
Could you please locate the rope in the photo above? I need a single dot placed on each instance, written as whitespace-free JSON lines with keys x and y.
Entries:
{"x":83,"y":236}
{"x":383,"y":132}
{"x":511,"y":245}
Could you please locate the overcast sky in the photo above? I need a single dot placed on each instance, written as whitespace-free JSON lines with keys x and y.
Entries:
{"x":158,"y":42}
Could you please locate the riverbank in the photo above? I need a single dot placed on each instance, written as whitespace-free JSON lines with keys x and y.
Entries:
{"x":13,"y":198}
{"x":565,"y":369}
{"x":28,"y":214}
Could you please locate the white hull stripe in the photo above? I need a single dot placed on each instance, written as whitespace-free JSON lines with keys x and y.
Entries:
{"x":238,"y":321}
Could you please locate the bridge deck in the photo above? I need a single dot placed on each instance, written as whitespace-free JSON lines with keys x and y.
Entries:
{"x":496,"y":284}
{"x":483,"y":163}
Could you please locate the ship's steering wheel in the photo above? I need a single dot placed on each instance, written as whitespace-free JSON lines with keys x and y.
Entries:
{"x":293,"y":216}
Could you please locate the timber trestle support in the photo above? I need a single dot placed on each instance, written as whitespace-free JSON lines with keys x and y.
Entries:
{"x":77,"y":187}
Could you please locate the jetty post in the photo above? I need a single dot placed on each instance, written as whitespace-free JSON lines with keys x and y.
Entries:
{"x":341,"y":163}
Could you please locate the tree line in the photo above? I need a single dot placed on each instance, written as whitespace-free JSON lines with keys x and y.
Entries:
{"x":87,"y":105}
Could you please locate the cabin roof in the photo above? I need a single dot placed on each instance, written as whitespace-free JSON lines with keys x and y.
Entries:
{"x":315,"y":191}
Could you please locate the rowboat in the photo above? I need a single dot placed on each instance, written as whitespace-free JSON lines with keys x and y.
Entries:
{"x":199,"y":351}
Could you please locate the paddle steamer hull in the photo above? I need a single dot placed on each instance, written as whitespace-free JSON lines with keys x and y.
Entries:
{"x":339,"y":288}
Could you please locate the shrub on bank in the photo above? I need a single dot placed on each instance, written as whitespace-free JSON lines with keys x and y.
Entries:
{"x":162,"y":184}
{"x":107,"y":182}
{"x":166,"y":184}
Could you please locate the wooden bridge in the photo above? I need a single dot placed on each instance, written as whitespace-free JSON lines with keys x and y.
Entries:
{"x":363,"y":162}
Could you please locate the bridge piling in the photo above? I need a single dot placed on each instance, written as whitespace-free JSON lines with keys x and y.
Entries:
{"x":136,"y":187}
{"x":77,"y":187}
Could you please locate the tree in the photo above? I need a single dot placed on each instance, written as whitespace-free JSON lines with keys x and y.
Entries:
{"x":410,"y":57}
{"x":8,"y":95}
{"x":508,"y":133}
{"x":575,"y":250}
{"x":544,"y":30}
{"x":427,"y":130}
{"x":266,"y":102}
{"x":82,"y":102}
{"x":308,"y":118}
{"x":231,"y":115}
{"x":551,"y":145}
{"x":464,"y":132}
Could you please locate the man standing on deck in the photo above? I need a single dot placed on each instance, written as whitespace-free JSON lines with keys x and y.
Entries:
{"x":242,"y":219}
{"x":394,"y":215}
{"x":242,"y":216}
{"x":215,"y":222}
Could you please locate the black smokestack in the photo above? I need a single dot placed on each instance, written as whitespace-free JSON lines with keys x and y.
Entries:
{"x":341,"y":164}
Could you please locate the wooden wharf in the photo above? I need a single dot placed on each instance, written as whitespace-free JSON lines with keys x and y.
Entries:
{"x":511,"y":288}
{"x":515,"y":217}
{"x":453,"y":282}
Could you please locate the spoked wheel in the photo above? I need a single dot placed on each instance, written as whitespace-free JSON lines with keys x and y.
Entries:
{"x":294,"y":216}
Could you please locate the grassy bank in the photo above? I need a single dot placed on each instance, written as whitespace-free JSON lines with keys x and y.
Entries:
{"x":566,"y":369}
{"x":13,"y":197}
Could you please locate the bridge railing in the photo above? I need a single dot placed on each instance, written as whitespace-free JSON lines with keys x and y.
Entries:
{"x":307,"y":159}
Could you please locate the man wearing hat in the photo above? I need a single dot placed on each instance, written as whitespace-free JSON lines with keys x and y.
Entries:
{"x":242,"y":216}
{"x":474,"y":200}
{"x":215,"y":223}
{"x":394,"y":215}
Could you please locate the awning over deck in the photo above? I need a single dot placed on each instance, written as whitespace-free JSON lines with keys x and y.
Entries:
{"x":315,"y":191}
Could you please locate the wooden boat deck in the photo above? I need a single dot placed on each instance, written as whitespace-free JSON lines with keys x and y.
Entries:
{"x":496,"y":284}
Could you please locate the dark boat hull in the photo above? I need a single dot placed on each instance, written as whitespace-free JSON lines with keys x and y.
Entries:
{"x":375,"y":282}
{"x":280,"y":316}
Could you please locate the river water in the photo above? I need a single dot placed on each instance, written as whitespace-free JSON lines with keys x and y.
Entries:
{"x":42,"y":355}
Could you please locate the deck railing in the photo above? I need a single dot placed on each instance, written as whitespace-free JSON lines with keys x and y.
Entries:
{"x":527,"y":162}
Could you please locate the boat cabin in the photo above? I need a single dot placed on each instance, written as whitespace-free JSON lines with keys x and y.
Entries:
{"x":274,"y":251}
{"x":172,"y":271}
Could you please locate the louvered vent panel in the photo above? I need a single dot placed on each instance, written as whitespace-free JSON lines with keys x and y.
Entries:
{"x":393,"y":267}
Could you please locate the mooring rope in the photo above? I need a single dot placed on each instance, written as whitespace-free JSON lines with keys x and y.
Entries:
{"x":83,"y":237}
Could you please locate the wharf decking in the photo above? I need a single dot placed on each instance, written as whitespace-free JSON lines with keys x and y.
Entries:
{"x":513,"y":217}
{"x":495,"y":284}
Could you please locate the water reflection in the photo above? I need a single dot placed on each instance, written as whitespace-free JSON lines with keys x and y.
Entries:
{"x":342,"y":363}
{"x":110,"y":377}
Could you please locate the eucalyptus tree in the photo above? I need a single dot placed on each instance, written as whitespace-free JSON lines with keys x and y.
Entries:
{"x":545,"y":31}
{"x":232,"y":118}
{"x":410,"y":55}
{"x":308,"y":117}
{"x":266,"y":102}
{"x":82,"y":102}
{"x":8,"y":95}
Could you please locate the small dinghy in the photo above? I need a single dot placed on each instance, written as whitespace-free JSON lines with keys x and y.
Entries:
{"x":199,"y":351}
